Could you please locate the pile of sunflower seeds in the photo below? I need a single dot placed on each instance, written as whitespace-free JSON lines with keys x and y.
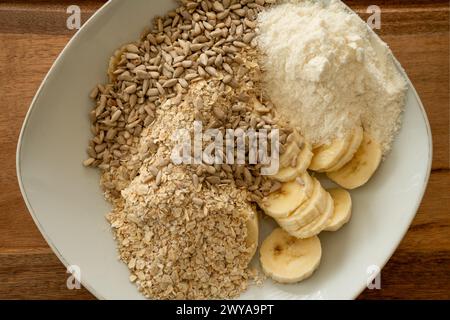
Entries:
{"x":198,"y":40}
{"x":241,"y":107}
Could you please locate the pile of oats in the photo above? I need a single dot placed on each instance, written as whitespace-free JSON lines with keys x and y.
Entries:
{"x":182,"y":242}
{"x":181,"y":229}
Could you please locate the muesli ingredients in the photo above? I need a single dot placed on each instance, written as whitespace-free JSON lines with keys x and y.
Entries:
{"x":194,"y":42}
{"x":183,"y":207}
{"x":333,"y":72}
{"x":182,"y":229}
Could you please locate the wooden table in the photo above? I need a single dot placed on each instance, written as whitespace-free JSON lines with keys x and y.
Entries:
{"x":32,"y":34}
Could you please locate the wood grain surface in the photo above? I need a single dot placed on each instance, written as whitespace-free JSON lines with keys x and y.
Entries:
{"x":33,"y":33}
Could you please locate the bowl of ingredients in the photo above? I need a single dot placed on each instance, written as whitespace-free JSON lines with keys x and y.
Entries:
{"x":247,"y":149}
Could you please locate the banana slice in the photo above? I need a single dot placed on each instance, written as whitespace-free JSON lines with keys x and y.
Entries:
{"x":361,"y":168}
{"x":317,"y":225}
{"x":308,"y":211}
{"x":295,"y":136}
{"x":288,"y":260}
{"x":295,"y":142}
{"x":291,"y":152}
{"x":303,"y":161}
{"x":342,"y":209}
{"x":305,"y":158}
{"x":286,"y":174}
{"x":353,"y":146}
{"x":252,"y":233}
{"x":289,"y":197}
{"x":328,"y":155}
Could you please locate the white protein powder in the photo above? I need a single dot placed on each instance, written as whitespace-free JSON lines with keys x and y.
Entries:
{"x":326,"y":73}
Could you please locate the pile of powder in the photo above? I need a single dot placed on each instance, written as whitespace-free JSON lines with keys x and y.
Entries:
{"x":326,"y":72}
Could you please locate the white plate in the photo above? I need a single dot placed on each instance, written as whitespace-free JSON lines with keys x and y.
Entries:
{"x":67,"y":205}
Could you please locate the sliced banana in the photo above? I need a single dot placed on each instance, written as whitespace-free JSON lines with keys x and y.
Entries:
{"x":308,"y":211}
{"x":289,"y":197}
{"x":328,"y":155}
{"x":354,"y":144}
{"x":305,"y":158}
{"x":286,"y":174}
{"x":361,"y":168}
{"x":252,"y":232}
{"x":291,"y":152}
{"x":318,"y":224}
{"x":290,"y":173}
{"x":342,"y":209}
{"x":288,"y":260}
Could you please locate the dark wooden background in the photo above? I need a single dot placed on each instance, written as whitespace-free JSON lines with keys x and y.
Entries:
{"x":32,"y":34}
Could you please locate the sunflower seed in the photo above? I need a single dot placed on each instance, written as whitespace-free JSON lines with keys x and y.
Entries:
{"x":218,"y":61}
{"x":191,"y":76}
{"x":94,"y":93}
{"x":88,"y":162}
{"x":248,"y":37}
{"x":132,"y":56}
{"x":170,"y":83}
{"x":213,"y":180}
{"x":153,"y":92}
{"x":217,"y":6}
{"x":196,"y":46}
{"x":227,"y":79}
{"x":130,"y":89}
{"x":211,"y":70}
{"x":160,"y":89}
{"x":178,"y":72}
{"x":203,"y":59}
{"x":227,"y":68}
{"x":186,"y":64}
